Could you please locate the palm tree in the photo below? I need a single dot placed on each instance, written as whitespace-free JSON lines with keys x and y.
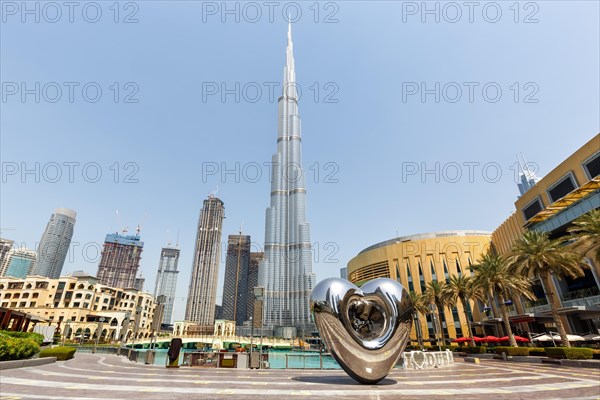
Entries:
{"x":586,"y":232}
{"x":460,"y":288}
{"x":435,"y":295}
{"x":535,"y":254}
{"x":492,"y":275}
{"x":420,"y":307}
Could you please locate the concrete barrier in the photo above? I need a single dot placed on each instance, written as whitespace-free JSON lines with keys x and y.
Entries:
{"x":32,"y":362}
{"x":474,"y":360}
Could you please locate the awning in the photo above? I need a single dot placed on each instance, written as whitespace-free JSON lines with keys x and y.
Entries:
{"x":571,"y":198}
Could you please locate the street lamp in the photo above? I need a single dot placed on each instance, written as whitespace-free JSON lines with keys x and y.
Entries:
{"x":433,"y":308}
{"x":259,"y":298}
{"x":66,"y":332}
{"x":136,"y":324}
{"x":251,"y":336}
{"x":98,"y":333}
{"x":418,"y":330}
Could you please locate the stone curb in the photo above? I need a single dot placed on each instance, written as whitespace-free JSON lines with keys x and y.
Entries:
{"x":33,"y":362}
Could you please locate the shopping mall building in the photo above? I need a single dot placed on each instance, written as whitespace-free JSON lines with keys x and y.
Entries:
{"x":549,"y":204}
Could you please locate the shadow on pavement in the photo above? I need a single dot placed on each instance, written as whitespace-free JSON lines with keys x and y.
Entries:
{"x":340,"y":380}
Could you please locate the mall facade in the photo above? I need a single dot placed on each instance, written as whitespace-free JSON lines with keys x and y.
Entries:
{"x":550,"y":204}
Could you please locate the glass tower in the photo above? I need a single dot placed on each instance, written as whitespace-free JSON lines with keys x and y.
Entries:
{"x":55,"y":243}
{"x":166,"y":280}
{"x":286,"y":270}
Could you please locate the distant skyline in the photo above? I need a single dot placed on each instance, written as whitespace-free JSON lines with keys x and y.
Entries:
{"x":366,"y":156}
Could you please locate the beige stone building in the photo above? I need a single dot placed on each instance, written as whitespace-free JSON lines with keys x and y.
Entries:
{"x":81,"y":307}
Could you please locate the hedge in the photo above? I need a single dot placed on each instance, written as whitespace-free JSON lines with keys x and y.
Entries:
{"x":596,"y":354}
{"x":537,"y":351}
{"x":13,"y":347}
{"x":38,"y":338}
{"x":62,"y":353}
{"x":570,"y":353}
{"x":475,"y":350}
{"x":512,"y":351}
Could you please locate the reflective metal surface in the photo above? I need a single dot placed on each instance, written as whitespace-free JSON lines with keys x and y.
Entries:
{"x":365,"y":329}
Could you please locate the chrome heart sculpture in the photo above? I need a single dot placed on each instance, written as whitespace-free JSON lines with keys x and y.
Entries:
{"x":365,"y":329}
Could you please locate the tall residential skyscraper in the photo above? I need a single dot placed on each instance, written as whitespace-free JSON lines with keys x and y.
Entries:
{"x":55,"y":243}
{"x":120,"y":260}
{"x":205,"y":270}
{"x":19,"y":263}
{"x":286,"y":270}
{"x":527,"y":178}
{"x":255,"y":259}
{"x":166,"y":280}
{"x":235,"y":285}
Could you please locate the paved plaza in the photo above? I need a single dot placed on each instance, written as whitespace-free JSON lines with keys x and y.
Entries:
{"x":93,"y":376}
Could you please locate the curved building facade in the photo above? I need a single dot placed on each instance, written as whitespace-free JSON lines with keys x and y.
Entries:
{"x":416,"y":260}
{"x":55,"y":243}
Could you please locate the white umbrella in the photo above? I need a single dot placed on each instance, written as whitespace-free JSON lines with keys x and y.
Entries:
{"x":556,"y":338}
{"x":571,"y":338}
{"x":592,"y":336}
{"x":543,"y":338}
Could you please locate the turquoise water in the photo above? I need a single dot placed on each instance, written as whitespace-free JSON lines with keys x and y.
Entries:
{"x":298,"y":359}
{"x":277,"y":359}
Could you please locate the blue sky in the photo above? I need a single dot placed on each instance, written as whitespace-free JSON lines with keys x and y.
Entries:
{"x":365,"y":129}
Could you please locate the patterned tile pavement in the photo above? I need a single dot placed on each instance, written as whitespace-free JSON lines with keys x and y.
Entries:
{"x":95,"y":377}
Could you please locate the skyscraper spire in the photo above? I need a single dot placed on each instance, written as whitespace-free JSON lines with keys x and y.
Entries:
{"x":289,"y":78}
{"x":285,"y":272}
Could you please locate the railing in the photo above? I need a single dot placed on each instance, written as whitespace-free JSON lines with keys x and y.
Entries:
{"x":536,"y":303}
{"x":580,"y":294}
{"x":587,"y":302}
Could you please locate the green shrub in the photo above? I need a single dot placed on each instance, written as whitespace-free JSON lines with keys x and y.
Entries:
{"x":476,"y":349}
{"x":62,"y":353}
{"x":451,"y":348}
{"x":570,"y":353}
{"x":512,"y":351}
{"x":36,"y":337}
{"x":537,"y":351}
{"x":13,"y":347}
{"x":596,"y":354}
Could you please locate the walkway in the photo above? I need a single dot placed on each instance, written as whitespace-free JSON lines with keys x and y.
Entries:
{"x":94,"y":376}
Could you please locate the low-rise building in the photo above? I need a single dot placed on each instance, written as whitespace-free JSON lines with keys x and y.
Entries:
{"x":81,"y":307}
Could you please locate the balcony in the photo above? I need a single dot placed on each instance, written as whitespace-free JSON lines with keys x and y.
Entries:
{"x":580,"y":294}
{"x":537,"y":306}
{"x":588,"y":302}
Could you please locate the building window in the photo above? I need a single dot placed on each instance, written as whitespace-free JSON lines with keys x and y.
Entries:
{"x":592,"y":166}
{"x":562,"y":188}
{"x":532,"y":208}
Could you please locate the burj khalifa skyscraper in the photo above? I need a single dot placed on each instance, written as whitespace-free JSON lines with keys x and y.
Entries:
{"x":285,"y":272}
